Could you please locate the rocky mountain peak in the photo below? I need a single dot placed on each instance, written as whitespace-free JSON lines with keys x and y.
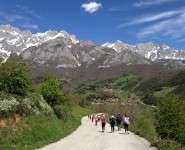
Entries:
{"x":66,"y":51}
{"x":117,"y":46}
{"x":164,"y":46}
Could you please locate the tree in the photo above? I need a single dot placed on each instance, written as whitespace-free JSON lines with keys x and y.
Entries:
{"x":171,"y":118}
{"x":14,"y":77}
{"x":51,"y":91}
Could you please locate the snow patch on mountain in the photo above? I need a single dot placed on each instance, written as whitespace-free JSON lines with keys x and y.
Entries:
{"x":149,"y":50}
{"x":13,"y":40}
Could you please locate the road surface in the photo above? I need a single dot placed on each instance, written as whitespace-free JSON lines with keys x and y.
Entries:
{"x":90,"y":137}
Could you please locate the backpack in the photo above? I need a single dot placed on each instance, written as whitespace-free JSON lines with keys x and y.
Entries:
{"x":119,"y":118}
{"x":103,"y":120}
{"x":126,"y":120}
{"x":112,"y":120}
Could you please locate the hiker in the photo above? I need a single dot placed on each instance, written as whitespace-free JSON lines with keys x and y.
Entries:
{"x":126,"y":123}
{"x":92,"y":118}
{"x":112,"y":123}
{"x":96,"y":120}
{"x":119,"y":120}
{"x":103,"y":122}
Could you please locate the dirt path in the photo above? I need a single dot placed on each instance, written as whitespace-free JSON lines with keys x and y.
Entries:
{"x":89,"y":137}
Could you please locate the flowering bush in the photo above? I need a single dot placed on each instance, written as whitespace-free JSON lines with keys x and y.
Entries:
{"x":29,"y":105}
{"x":35,"y":104}
{"x":8,"y":106}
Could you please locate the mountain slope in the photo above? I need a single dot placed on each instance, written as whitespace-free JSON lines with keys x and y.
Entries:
{"x":149,"y":50}
{"x":62,"y":50}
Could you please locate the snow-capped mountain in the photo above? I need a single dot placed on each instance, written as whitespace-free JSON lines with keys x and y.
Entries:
{"x":62,"y":50}
{"x":12,"y":40}
{"x":149,"y":50}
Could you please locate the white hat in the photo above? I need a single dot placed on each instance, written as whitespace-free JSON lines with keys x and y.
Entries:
{"x":112,"y":117}
{"x":103,"y":115}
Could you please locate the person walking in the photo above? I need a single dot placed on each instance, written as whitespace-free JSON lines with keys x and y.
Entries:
{"x":118,"y":121}
{"x":126,"y":123}
{"x":96,"y":120}
{"x":112,"y":123}
{"x":103,"y":122}
{"x":92,"y":118}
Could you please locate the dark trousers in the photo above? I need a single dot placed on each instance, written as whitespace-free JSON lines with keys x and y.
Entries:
{"x":119,"y":125}
{"x":112,"y":127}
{"x":126,"y":127}
{"x":96,"y":122}
{"x":103,"y":126}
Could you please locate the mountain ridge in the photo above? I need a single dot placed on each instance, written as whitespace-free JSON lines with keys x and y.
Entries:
{"x":65,"y":51}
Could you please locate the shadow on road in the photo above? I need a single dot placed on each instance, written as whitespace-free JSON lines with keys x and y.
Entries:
{"x":109,"y":132}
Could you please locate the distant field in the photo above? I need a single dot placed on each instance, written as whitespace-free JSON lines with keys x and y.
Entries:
{"x":164,"y":91}
{"x":123,"y":79}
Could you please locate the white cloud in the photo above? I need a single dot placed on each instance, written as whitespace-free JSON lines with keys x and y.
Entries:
{"x":27,"y":10}
{"x":151,"y":18}
{"x":11,"y":17}
{"x":91,"y":7}
{"x":31,"y":26}
{"x":151,"y":2}
{"x":171,"y":29}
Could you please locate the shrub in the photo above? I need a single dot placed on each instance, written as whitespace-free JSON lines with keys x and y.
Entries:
{"x":62,"y":111}
{"x":8,"y":106}
{"x":51,"y":91}
{"x":171,"y":118}
{"x":14,"y":78}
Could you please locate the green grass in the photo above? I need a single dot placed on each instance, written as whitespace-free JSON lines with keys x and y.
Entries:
{"x":37,"y":131}
{"x":123,"y":79}
{"x":80,"y":112}
{"x":164,"y":91}
{"x":125,"y":95}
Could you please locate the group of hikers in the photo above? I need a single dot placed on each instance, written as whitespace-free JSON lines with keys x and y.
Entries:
{"x":119,"y":119}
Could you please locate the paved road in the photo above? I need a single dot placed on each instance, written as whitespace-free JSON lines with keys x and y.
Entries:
{"x":89,"y":137}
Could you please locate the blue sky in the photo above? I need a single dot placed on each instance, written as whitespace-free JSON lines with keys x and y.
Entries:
{"x":131,"y":21}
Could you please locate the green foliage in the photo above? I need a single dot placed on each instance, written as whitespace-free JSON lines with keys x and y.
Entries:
{"x":149,"y":99}
{"x":51,"y":91}
{"x":180,"y":91}
{"x":90,"y":86}
{"x":177,"y":79}
{"x":123,"y":80}
{"x":62,"y":111}
{"x":123,"y":94}
{"x":79,"y":112}
{"x":32,"y":104}
{"x":148,"y":86}
{"x":76,"y":99}
{"x":164,"y":91}
{"x":90,"y":96}
{"x":14,"y":78}
{"x":171,"y":118}
{"x":103,"y":95}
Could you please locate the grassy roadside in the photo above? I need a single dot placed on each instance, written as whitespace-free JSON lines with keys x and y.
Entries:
{"x":36,"y":131}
